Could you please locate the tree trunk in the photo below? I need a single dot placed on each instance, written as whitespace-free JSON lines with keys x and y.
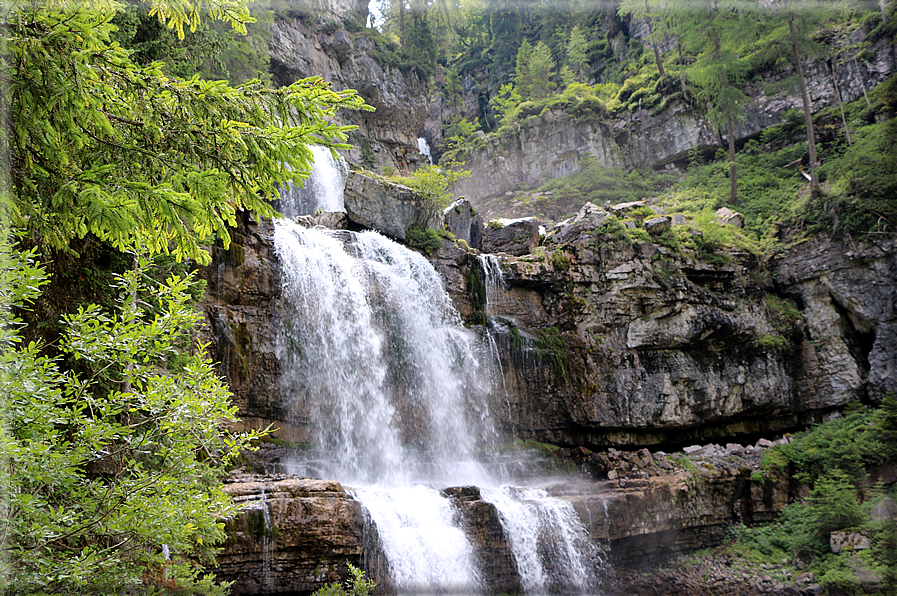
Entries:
{"x":808,"y":116}
{"x":653,"y":41}
{"x":685,"y":93}
{"x":733,"y":170}
{"x":840,"y":104}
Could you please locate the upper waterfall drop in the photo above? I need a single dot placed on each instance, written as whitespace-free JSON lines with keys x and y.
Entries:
{"x":373,"y":346}
{"x":424,"y":147}
{"x":323,"y":190}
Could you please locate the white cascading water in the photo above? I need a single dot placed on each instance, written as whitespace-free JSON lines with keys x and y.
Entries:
{"x":323,"y":190}
{"x":493,"y":278}
{"x":424,"y":147}
{"x":553,"y":550}
{"x":397,"y":392}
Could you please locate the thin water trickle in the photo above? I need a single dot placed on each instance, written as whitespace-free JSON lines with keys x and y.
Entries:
{"x":267,"y":583}
{"x":493,"y":277}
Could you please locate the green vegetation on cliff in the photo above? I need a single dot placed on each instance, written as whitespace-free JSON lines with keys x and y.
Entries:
{"x":838,"y":462}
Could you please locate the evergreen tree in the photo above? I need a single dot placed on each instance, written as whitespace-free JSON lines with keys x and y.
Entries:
{"x":798,"y":21}
{"x":103,"y":146}
{"x":506,"y":30}
{"x":541,"y":69}
{"x":641,"y":10}
{"x":719,"y":36}
{"x":419,"y":45}
{"x":577,"y":52}
{"x":523,"y":79}
{"x":835,"y":504}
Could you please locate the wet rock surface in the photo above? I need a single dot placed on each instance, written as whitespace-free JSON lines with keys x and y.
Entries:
{"x":605,"y":342}
{"x":292,"y":535}
{"x":646,"y":508}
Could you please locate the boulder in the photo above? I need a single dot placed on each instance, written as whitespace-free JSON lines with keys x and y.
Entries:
{"x":462,"y":220}
{"x":839,"y":541}
{"x":657,"y":225}
{"x":387,"y":207}
{"x":624,"y":207}
{"x":885,"y":510}
{"x":515,"y":237}
{"x":591,"y":215}
{"x":332,"y":220}
{"x":727,"y":217}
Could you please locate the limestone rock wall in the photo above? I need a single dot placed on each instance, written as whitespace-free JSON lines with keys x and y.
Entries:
{"x":848,"y":292}
{"x":552,"y":144}
{"x":386,"y":137}
{"x":292,"y":535}
{"x":239,"y":306}
{"x":611,"y":343}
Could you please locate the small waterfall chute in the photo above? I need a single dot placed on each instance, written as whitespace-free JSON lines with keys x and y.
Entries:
{"x":418,"y":531}
{"x":424,"y":147}
{"x":323,"y":190}
{"x":554,"y":552}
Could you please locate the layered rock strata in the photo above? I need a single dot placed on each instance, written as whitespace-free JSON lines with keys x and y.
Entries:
{"x":295,"y":535}
{"x":552,"y":144}
{"x":292,"y":535}
{"x":608,"y":342}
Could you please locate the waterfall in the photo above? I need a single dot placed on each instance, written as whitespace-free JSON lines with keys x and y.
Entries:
{"x":553,"y":550}
{"x":372,"y":345}
{"x":426,"y":549}
{"x":398,"y":397}
{"x":424,"y":147}
{"x":493,"y":276}
{"x":323,"y":190}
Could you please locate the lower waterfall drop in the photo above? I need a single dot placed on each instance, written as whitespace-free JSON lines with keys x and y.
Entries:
{"x":426,"y":549}
{"x":399,"y":397}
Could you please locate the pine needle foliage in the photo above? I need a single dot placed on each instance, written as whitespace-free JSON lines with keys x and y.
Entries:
{"x":144,"y":162}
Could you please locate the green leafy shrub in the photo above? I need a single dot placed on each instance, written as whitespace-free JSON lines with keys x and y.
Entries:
{"x":834,"y":502}
{"x":434,"y":182}
{"x":426,"y":239}
{"x":106,"y":454}
{"x":356,"y":585}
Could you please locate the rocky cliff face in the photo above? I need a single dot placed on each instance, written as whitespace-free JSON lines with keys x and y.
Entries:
{"x":602,"y":342}
{"x":607,"y":342}
{"x":292,"y":536}
{"x":551,"y":145}
{"x":386,"y":137}
{"x":849,"y":302}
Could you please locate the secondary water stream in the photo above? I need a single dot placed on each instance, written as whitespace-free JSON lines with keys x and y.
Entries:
{"x":398,"y":397}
